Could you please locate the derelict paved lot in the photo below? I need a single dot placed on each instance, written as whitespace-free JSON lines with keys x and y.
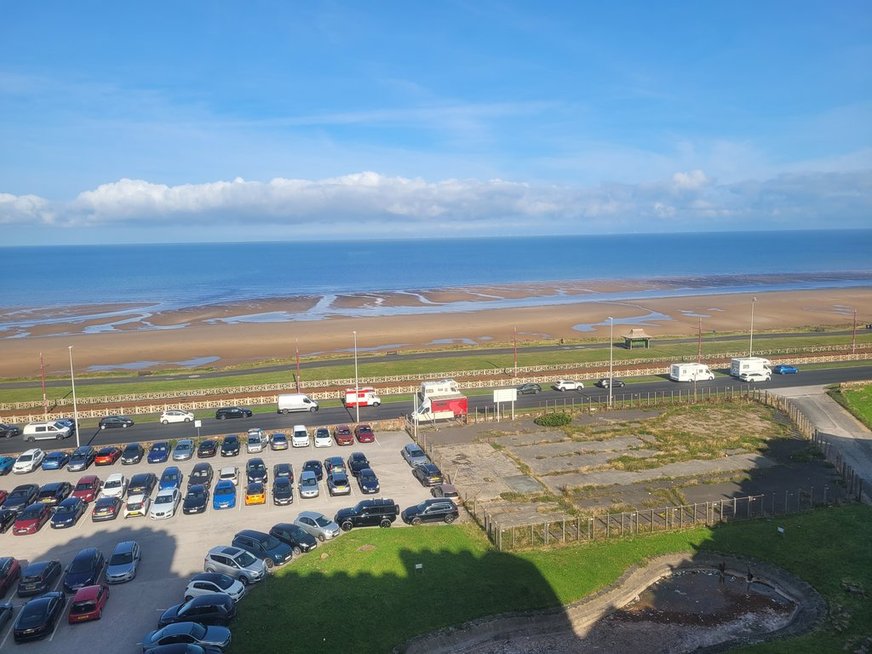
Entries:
{"x":173,"y":549}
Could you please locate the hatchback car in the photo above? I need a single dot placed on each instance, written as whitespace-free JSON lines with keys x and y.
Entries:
{"x":317,"y":525}
{"x":28,"y":461}
{"x":84,"y":570}
{"x":159,"y":452}
{"x":308,"y":486}
{"x":31,"y":519}
{"x":6,"y":463}
{"x":256,"y":441}
{"x":10,"y":571}
{"x":201,"y":474}
{"x":21,"y":497}
{"x":229,"y":473}
{"x":444,"y":490}
{"x":435,"y":510}
{"x":227,"y":412}
{"x":315,"y":466}
{"x":300,"y":541}
{"x":165,"y":504}
{"x":170,"y":478}
{"x":106,"y":456}
{"x":207,"y":449}
{"x":282,"y":491}
{"x":255,"y":493}
{"x":785,"y":369}
{"x":114,"y":486}
{"x":113,"y":422}
{"x":9,"y":431}
{"x":224,"y":496}
{"x":428,"y":474}
{"x":263,"y":546}
{"x":529,"y":389}
{"x":183,"y":450}
{"x":206,"y":609}
{"x":752,"y":377}
{"x":278,"y":441}
{"x":132,"y":454}
{"x":342,"y":435}
{"x":605,"y":382}
{"x":7,"y":519}
{"x":142,"y":484}
{"x":176,"y":415}
{"x":337,"y":483}
{"x":414,"y":455}
{"x":87,"y":488}
{"x":332,"y":463}
{"x":196,"y":499}
{"x":123,"y":563}
{"x":364,"y":434}
{"x":137,"y":506}
{"x":368,"y":481}
{"x":255,"y":470}
{"x":230,"y":445}
{"x":38,"y":616}
{"x":88,"y":604}
{"x":208,"y":639}
{"x":55,"y":460}
{"x":205,"y":583}
{"x":283,"y":470}
{"x":322,"y":437}
{"x":54,"y":493}
{"x":38,"y":577}
{"x":67,"y":513}
{"x":357,"y":462}
{"x":106,"y":508}
{"x":236,"y":563}
{"x":81,"y":458}
{"x":300,"y":436}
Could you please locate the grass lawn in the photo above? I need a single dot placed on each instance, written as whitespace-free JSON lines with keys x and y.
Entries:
{"x":859,"y":402}
{"x":366,"y":596}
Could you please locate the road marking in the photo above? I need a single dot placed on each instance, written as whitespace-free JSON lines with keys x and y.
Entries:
{"x":9,"y":631}
{"x":60,"y":618}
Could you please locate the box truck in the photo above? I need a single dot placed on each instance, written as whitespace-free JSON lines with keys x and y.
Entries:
{"x":290,"y":402}
{"x":440,"y":400}
{"x":361,"y":397}
{"x":743,"y":365}
{"x":688,"y":372}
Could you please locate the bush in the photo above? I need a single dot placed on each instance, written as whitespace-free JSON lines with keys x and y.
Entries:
{"x":553,"y":420}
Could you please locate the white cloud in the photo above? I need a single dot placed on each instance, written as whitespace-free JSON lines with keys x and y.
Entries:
{"x":692,"y":180}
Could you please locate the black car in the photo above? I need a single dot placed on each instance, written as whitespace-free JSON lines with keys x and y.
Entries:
{"x":207,"y":449}
{"x":132,"y":453}
{"x":201,"y":474}
{"x":368,"y":481}
{"x":67,"y":513}
{"x":38,"y":617}
{"x":615,"y":383}
{"x":208,"y":609}
{"x":367,"y":513}
{"x":21,"y":497}
{"x":315,"y":466}
{"x":282,"y":491}
{"x":428,"y":474}
{"x":54,"y":493}
{"x":7,"y":519}
{"x":255,"y":470}
{"x":36,"y":578}
{"x":232,"y":412}
{"x":230,"y":445}
{"x":283,"y":470}
{"x":196,"y":499}
{"x":8,"y":431}
{"x":81,"y":458}
{"x":263,"y":546}
{"x":141,"y":484}
{"x":84,"y":569}
{"x":184,"y":647}
{"x":357,"y":462}
{"x":106,"y":508}
{"x":529,"y":389}
{"x":437,"y":510}
{"x":112,"y":422}
{"x":299,"y":540}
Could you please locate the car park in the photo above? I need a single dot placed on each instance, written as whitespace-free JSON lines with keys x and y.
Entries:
{"x":106,"y":456}
{"x":278,"y":441}
{"x":785,"y":369}
{"x":283,"y":470}
{"x":257,"y":440}
{"x":567,"y":385}
{"x":444,"y":490}
{"x":196,"y":499}
{"x":106,"y":508}
{"x":54,"y":492}
{"x":10,"y":571}
{"x":7,"y":519}
{"x":114,"y":486}
{"x":176,"y":415}
{"x":367,"y":481}
{"x":31,"y":519}
{"x":357,"y":462}
{"x":414,"y":455}
{"x":136,"y":506}
{"x":204,"y":583}
{"x":224,"y":496}
{"x":81,"y":458}
{"x":337,"y":483}
{"x":159,"y":452}
{"x":315,"y":466}
{"x":433,"y":510}
{"x":165,"y":504}
{"x":28,"y":461}
{"x":751,"y":377}
{"x":308,"y":486}
{"x":207,"y":449}
{"x":342,"y":435}
{"x":255,"y":493}
{"x":87,"y":488}
{"x":21,"y":497}
{"x":282,"y":491}
{"x":170,"y":478}
{"x":428,"y":474}
{"x":229,"y":412}
{"x":269,"y":548}
{"x":88,"y":604}
{"x":364,"y":434}
{"x":113,"y":422}
{"x":132,"y":454}
{"x":201,"y":474}
{"x":38,"y":616}
{"x":230,"y":445}
{"x":67,"y":513}
{"x":142,"y":483}
{"x":8,"y":431}
{"x":124,"y":562}
{"x":529,"y":389}
{"x":255,"y":470}
{"x":300,"y":436}
{"x":229,"y":473}
{"x":38,"y":577}
{"x":317,"y":525}
{"x":84,"y":570}
{"x":368,"y":513}
{"x":55,"y":460}
{"x":206,"y":609}
{"x":236,"y":563}
{"x":188,"y":633}
{"x":300,"y":540}
{"x":183,"y":450}
{"x":605,"y":382}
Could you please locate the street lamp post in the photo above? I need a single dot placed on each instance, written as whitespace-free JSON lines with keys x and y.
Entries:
{"x":75,"y":407}
{"x":356,"y":383}
{"x":611,"y":360}
{"x":751,"y":341}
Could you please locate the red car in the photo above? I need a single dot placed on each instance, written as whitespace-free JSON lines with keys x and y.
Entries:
{"x":107,"y":456}
{"x":364,"y":434}
{"x":31,"y":519}
{"x":87,"y":488}
{"x":10,"y":570}
{"x":88,"y":603}
{"x":3,"y":495}
{"x":342,"y":435}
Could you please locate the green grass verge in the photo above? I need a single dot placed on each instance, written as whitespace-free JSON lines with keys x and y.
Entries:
{"x":859,"y":402}
{"x":366,"y":596}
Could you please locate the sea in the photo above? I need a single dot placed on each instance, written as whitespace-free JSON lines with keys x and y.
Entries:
{"x":178,"y":276}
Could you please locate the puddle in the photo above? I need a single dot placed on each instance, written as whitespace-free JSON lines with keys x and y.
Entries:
{"x":647,"y":319}
{"x":452,"y":341}
{"x":142,"y":365}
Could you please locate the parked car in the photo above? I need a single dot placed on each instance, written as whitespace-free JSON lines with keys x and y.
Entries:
{"x":435,"y":510}
{"x":751,"y":377}
{"x":7,"y":519}
{"x":87,"y":488}
{"x":142,"y":483}
{"x":444,"y":490}
{"x":317,"y":525}
{"x":132,"y":454}
{"x":38,"y":577}
{"x":84,"y":570}
{"x":137,"y":506}
{"x":414,"y":455}
{"x":342,"y":435}
{"x":229,"y":473}
{"x":21,"y":497}
{"x":785,"y":369}
{"x":282,"y":491}
{"x":368,"y":513}
{"x":106,"y":508}
{"x":190,"y":633}
{"x":114,"y":486}
{"x":236,"y":563}
{"x":300,"y":540}
{"x":55,"y":460}
{"x":165,"y":503}
{"x":67,"y":513}
{"x":38,"y":616}
{"x":28,"y":461}
{"x":170,"y":478}
{"x":227,"y":412}
{"x":204,"y":583}
{"x":300,"y":436}
{"x":201,"y":474}
{"x":605,"y":382}
{"x":6,"y":463}
{"x":54,"y":492}
{"x":315,"y":466}
{"x":529,"y":389}
{"x":224,"y":496}
{"x":279,"y":441}
{"x":357,"y":462}
{"x":368,"y":482}
{"x":206,"y":609}
{"x":176,"y":415}
{"x":255,"y":493}
{"x":10,"y":572}
{"x":332,"y":463}
{"x":269,"y":548}
{"x":322,"y":437}
{"x":256,"y":441}
{"x":255,"y":470}
{"x":113,"y":422}
{"x":184,"y":450}
{"x":106,"y":456}
{"x":567,"y":385}
{"x":283,"y":470}
{"x":124,"y":562}
{"x":428,"y":474}
{"x":82,"y":458}
{"x":159,"y":452}
{"x":207,"y":449}
{"x":196,"y":500}
{"x":364,"y":434}
{"x":88,"y":604}
{"x":230,"y":445}
{"x":8,"y":431}
{"x":337,"y":483}
{"x":31,"y":519}
{"x":308,"y":486}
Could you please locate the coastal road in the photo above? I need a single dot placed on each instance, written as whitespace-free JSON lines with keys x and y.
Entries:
{"x":151,"y":431}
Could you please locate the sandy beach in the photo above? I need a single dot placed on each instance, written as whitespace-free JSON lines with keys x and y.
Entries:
{"x":126,"y":335}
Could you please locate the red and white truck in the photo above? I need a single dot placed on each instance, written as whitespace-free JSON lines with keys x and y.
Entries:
{"x":440,"y":400}
{"x":361,"y":397}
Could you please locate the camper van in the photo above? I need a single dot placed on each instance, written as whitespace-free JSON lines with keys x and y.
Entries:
{"x":291,"y":402}
{"x":361,"y":397}
{"x":440,"y":400}
{"x":745,"y":365}
{"x":689,"y":372}
{"x":44,"y":431}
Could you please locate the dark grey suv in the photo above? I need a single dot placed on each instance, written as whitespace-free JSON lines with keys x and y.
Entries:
{"x":436,"y":510}
{"x":263,"y":546}
{"x":368,"y":513}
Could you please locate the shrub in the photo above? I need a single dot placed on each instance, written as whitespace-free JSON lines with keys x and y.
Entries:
{"x":553,"y":420}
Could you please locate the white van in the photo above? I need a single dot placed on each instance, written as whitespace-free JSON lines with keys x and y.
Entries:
{"x":44,"y":431}
{"x":296,"y":402}
{"x":300,"y":437}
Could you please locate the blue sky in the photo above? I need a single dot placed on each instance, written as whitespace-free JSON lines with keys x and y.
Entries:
{"x":201,"y":121}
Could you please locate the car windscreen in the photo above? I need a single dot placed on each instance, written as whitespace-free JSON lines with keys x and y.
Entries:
{"x":245,"y":559}
{"x":322,"y":521}
{"x":134,"y":506}
{"x":84,"y":486}
{"x":31,"y":513}
{"x":83,"y":607}
{"x":24,"y":458}
{"x":81,"y":565}
{"x":163,"y":499}
{"x":121,"y":558}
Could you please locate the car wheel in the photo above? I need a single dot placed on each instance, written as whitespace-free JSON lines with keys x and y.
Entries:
{"x":245,"y":580}
{"x":416,"y":521}
{"x":58,"y":437}
{"x":29,"y":439}
{"x":321,"y":538}
{"x":102,"y":426}
{"x":188,"y":598}
{"x":297,"y":551}
{"x":450,"y":518}
{"x":220,"y":417}
{"x":125,"y":426}
{"x":346,"y":526}
{"x":376,"y":403}
{"x":187,"y":420}
{"x":164,"y":422}
{"x":384,"y":524}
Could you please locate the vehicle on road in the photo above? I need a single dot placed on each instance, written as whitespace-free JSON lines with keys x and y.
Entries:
{"x":45,"y":431}
{"x":785,"y":369}
{"x":38,"y":616}
{"x":28,"y":461}
{"x":115,"y":422}
{"x":9,"y":431}
{"x":614,"y":382}
{"x":529,"y":389}
{"x":159,"y":452}
{"x":741,"y":365}
{"x":751,"y":377}
{"x":229,"y":412}
{"x":317,"y":525}
{"x":291,"y":402}
{"x":176,"y":415}
{"x":435,"y":510}
{"x":124,"y":562}
{"x":84,"y":570}
{"x":354,"y":397}
{"x":368,"y":513}
{"x":88,"y":604}
{"x":235,"y":562}
{"x":567,"y":385}
{"x":440,"y":400}
{"x":165,"y":503}
{"x":183,"y":450}
{"x":690,"y":372}
{"x":106,"y":508}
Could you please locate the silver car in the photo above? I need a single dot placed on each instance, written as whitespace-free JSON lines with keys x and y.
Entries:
{"x":184,"y":450}
{"x":308,"y":484}
{"x":123,"y":562}
{"x":317,"y":525}
{"x":206,"y":583}
{"x":414,"y":455}
{"x":235,"y":562}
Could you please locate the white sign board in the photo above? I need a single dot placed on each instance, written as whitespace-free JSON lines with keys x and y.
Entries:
{"x":505,"y":395}
{"x":198,"y":424}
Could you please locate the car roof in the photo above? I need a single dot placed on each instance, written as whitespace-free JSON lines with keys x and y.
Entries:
{"x":115,"y":475}
{"x":229,"y":469}
{"x":87,"y":593}
{"x":138,"y":497}
{"x":311,"y":514}
{"x":88,"y":479}
{"x":308,"y":474}
{"x":124,"y":546}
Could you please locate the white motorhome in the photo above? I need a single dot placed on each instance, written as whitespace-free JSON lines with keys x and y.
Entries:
{"x":361,"y":397}
{"x":440,"y":400}
{"x":43,"y":431}
{"x":689,"y":372}
{"x":743,"y":365}
{"x":291,"y":402}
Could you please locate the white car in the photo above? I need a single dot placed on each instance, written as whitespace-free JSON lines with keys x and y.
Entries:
{"x":137,"y":506}
{"x":323,"y":438}
{"x":231,"y":473}
{"x":165,"y":504}
{"x":28,"y":461}
{"x":176,"y":415}
{"x":300,"y":437}
{"x":206,"y":583}
{"x":257,"y":441}
{"x":114,"y":486}
{"x":755,"y":376}
{"x":567,"y":385}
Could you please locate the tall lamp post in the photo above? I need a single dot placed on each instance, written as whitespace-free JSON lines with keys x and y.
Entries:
{"x":75,"y":407}
{"x":751,"y":341}
{"x":356,"y":384}
{"x":611,"y":343}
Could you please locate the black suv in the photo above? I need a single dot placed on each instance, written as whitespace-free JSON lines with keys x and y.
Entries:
{"x":230,"y":445}
{"x":263,"y":546}
{"x":438,"y":510}
{"x":368,"y":513}
{"x":232,"y":412}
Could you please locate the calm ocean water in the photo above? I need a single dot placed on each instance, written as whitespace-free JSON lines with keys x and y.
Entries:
{"x":175,"y":276}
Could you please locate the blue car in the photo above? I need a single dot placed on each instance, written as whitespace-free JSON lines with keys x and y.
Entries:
{"x":159,"y":452}
{"x":6,"y":463}
{"x":67,"y":513}
{"x":171,"y":478}
{"x":785,"y":369}
{"x":55,"y":460}
{"x":224,"y":495}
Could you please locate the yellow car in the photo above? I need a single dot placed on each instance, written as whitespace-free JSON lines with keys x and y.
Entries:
{"x":255,"y":493}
